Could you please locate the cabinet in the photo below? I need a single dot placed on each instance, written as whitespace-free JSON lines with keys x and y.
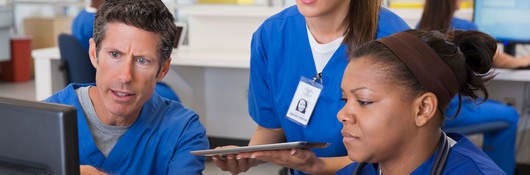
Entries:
{"x":44,"y":31}
{"x":42,"y":20}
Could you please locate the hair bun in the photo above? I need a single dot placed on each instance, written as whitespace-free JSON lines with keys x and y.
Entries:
{"x":478,"y":49}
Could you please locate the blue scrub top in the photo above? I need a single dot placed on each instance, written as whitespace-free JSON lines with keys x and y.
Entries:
{"x":158,"y":142}
{"x":280,"y":56}
{"x":83,"y":27}
{"x":464,"y":158}
{"x":462,"y":24}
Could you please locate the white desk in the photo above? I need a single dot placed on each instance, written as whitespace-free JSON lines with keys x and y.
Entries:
{"x":48,"y":78}
{"x":511,"y":86}
{"x":522,"y":75}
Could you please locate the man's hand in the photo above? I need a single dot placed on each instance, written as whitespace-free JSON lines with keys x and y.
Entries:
{"x":90,"y":170}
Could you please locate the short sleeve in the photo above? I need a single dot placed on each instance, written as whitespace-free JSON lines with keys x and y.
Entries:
{"x":260,"y":100}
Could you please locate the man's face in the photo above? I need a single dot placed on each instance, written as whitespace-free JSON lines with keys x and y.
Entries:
{"x":127,"y":65}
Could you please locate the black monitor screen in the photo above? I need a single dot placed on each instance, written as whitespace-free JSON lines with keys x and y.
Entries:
{"x":38,"y":138}
{"x":506,"y":20}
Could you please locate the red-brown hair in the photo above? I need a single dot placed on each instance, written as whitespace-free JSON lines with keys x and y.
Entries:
{"x":361,"y":22}
{"x":437,"y":15}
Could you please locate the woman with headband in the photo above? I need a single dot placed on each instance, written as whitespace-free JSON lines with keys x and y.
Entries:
{"x":396,"y":89}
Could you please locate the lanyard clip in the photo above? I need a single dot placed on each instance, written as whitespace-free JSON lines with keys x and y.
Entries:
{"x":318,"y":77}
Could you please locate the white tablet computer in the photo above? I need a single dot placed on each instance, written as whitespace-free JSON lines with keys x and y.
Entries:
{"x":265,"y":147}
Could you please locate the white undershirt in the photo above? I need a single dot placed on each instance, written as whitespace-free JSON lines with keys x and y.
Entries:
{"x":90,"y":9}
{"x":322,"y":53}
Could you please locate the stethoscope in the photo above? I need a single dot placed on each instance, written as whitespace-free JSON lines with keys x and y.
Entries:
{"x":439,"y":162}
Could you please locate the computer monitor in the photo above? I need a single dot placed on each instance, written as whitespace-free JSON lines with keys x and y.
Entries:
{"x":505,"y":20}
{"x":38,"y":138}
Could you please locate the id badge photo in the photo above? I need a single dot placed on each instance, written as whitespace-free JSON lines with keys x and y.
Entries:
{"x":304,"y":101}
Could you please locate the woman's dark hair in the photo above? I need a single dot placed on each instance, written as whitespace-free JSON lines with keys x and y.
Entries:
{"x":437,"y":15}
{"x":469,"y":54}
{"x":149,"y":15}
{"x":361,"y":22}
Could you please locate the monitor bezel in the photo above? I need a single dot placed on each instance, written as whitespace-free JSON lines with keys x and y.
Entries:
{"x":499,"y":39}
{"x":66,"y":121}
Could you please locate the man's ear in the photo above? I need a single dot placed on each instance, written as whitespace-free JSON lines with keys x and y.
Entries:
{"x":92,"y":53}
{"x":426,"y":106}
{"x":164,"y":69}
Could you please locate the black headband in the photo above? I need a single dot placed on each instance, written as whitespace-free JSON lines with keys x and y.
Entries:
{"x":428,"y":68}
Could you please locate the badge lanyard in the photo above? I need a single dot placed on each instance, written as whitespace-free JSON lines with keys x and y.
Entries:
{"x":304,"y":99}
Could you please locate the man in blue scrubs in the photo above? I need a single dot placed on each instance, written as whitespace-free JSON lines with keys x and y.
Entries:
{"x":125,"y":128}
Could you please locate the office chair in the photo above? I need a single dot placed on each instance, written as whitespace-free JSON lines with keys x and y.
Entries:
{"x":75,"y":61}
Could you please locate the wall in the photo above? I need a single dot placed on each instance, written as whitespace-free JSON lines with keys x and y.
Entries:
{"x":6,"y":21}
{"x":44,"y":8}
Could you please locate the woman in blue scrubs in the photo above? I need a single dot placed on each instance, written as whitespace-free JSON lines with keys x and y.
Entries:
{"x":395,"y":89}
{"x":303,"y":42}
{"x":499,"y":145}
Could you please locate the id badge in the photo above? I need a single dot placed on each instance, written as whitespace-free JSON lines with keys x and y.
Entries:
{"x":304,"y":100}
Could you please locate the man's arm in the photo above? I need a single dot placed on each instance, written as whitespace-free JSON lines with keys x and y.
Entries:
{"x":193,"y":138}
{"x":90,"y":170}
